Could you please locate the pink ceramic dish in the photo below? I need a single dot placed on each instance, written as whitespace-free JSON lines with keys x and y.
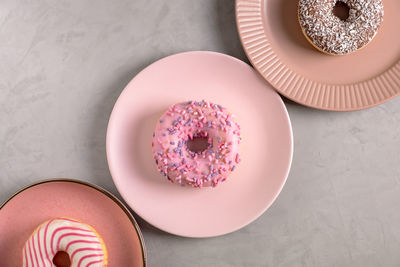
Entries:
{"x":266,"y":146}
{"x":274,"y":43}
{"x":28,"y":208}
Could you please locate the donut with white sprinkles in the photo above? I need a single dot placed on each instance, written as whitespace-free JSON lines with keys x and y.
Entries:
{"x":335,"y":35}
{"x":186,"y":122}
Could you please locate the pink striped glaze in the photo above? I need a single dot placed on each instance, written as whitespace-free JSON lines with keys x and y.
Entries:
{"x":185,"y":121}
{"x":79,"y":240}
{"x":91,"y":263}
{"x":38,"y":244}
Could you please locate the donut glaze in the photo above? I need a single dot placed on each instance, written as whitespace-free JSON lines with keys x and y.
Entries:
{"x":330,"y":34}
{"x":82,"y":243}
{"x":181,"y":123}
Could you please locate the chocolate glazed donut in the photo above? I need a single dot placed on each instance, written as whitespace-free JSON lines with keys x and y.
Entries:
{"x":340,"y":34}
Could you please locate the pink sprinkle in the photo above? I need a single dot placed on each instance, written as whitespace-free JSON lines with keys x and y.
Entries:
{"x":237,"y":159}
{"x":180,"y":167}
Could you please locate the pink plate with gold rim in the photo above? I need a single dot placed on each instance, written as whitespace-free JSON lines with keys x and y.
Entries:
{"x":266,"y":147}
{"x":274,"y":43}
{"x":31,"y":206}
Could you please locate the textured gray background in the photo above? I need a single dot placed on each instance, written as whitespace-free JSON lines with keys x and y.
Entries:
{"x":63,"y":65}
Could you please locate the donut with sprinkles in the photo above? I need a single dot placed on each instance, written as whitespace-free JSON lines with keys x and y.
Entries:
{"x":336,"y":34}
{"x":182,"y":124}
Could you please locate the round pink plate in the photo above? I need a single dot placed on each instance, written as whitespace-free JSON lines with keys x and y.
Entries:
{"x":28,"y":208}
{"x":266,"y":148}
{"x":274,"y":43}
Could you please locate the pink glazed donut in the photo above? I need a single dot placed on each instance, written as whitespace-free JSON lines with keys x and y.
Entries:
{"x":181,"y":124}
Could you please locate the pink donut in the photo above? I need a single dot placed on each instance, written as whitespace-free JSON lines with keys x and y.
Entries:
{"x":182,"y":123}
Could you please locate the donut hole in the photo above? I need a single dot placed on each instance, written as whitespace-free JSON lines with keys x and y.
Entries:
{"x":198,"y":144}
{"x":61,"y":259}
{"x":341,"y":10}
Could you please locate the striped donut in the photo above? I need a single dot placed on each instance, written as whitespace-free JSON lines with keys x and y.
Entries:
{"x":80,"y":241}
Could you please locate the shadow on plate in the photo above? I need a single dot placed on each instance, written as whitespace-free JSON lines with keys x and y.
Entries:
{"x":142,"y":155}
{"x":287,"y":10}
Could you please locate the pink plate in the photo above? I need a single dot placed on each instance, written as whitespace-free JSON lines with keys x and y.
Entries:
{"x":266,"y":148}
{"x":274,"y":43}
{"x":31,"y":206}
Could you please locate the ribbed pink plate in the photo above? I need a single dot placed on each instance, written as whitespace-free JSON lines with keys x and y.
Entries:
{"x":272,"y":38}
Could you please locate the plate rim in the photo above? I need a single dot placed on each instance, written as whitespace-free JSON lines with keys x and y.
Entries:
{"x":101,"y":190}
{"x":255,"y":217}
{"x":328,"y":98}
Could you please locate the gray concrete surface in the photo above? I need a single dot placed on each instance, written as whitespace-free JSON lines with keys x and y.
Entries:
{"x":63,"y":64}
